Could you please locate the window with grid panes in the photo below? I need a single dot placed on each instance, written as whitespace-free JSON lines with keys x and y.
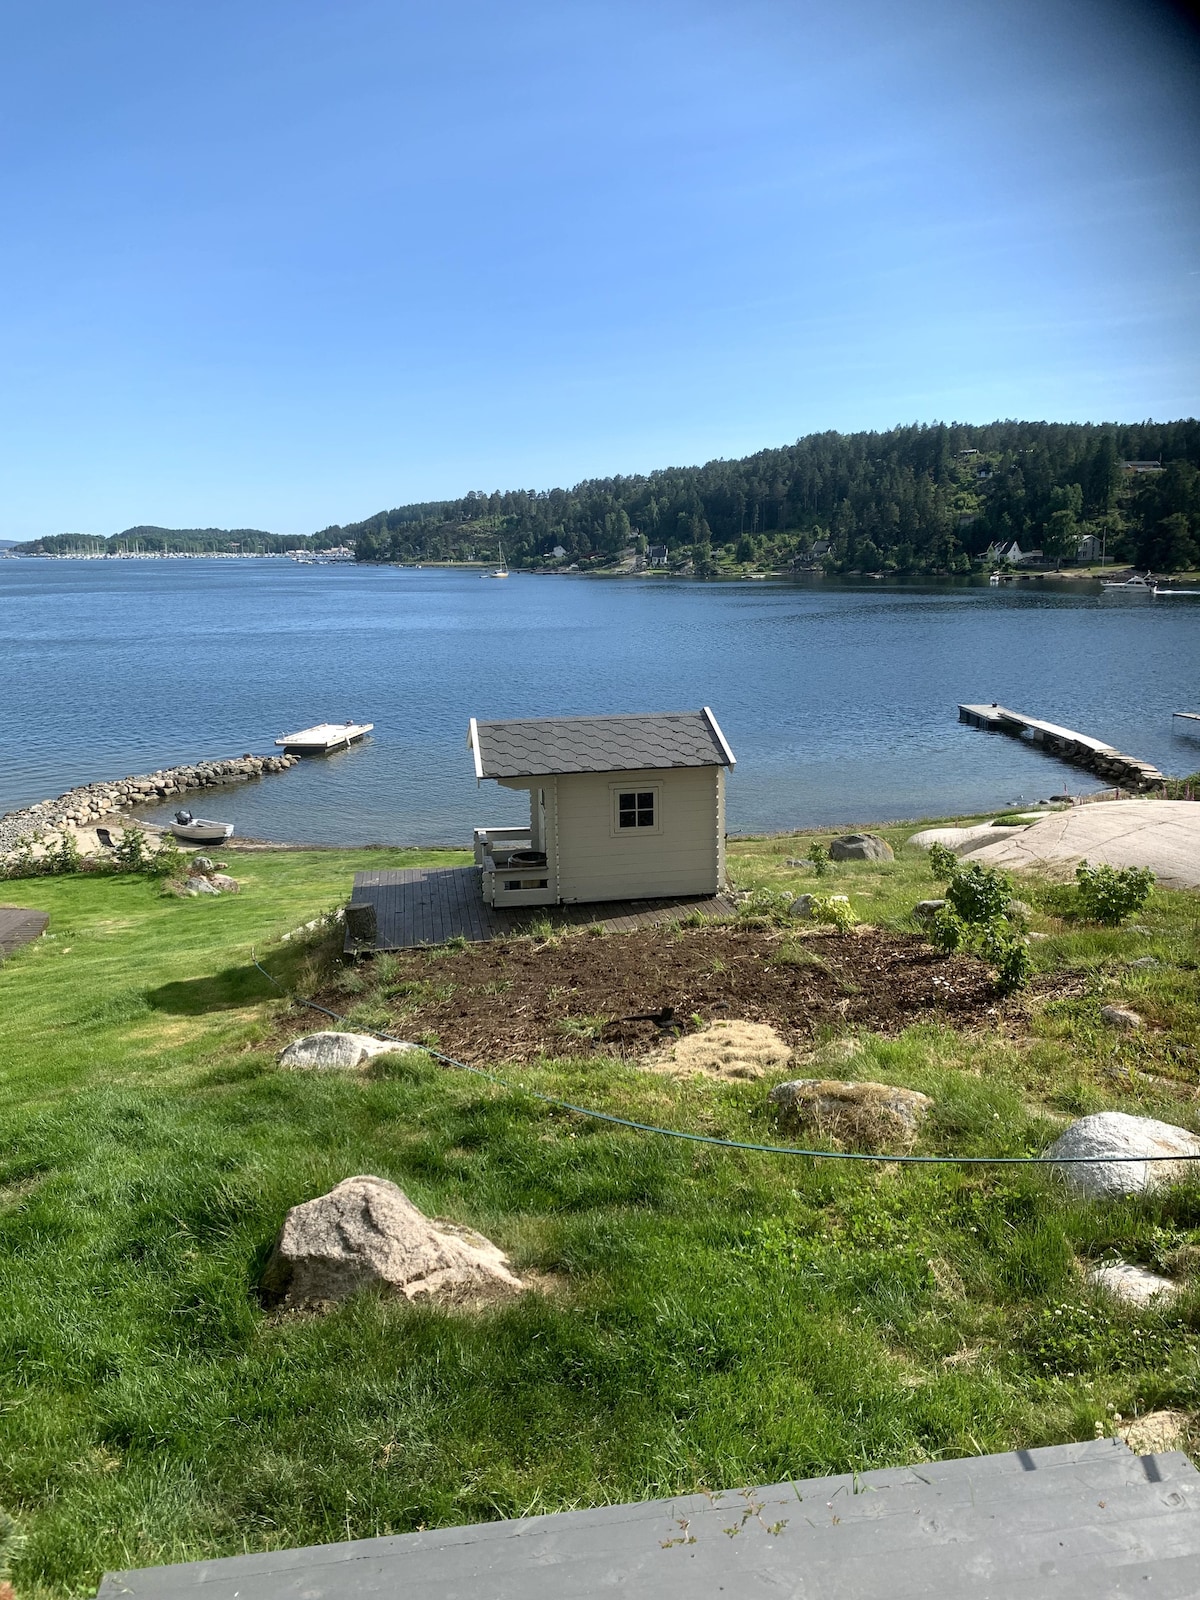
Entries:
{"x":635,"y":808}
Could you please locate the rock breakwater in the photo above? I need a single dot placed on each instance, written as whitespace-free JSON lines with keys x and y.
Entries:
{"x":85,"y":806}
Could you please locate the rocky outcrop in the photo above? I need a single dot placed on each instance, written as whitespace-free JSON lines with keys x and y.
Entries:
{"x":1094,"y":1154}
{"x":1121,"y":1017}
{"x":366,"y":1233}
{"x":860,"y":847}
{"x":869,"y":1116}
{"x":336,"y":1052}
{"x":79,"y":808}
{"x":1131,"y":1285}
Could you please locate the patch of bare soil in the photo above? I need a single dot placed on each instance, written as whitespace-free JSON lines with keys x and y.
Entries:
{"x":632,"y":993}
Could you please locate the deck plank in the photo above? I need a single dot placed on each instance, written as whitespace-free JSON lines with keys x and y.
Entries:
{"x":418,"y":906}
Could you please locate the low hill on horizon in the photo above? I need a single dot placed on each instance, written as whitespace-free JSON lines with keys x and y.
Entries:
{"x":181,"y":541}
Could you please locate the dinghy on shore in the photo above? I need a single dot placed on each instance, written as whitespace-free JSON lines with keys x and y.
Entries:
{"x":199,"y":830}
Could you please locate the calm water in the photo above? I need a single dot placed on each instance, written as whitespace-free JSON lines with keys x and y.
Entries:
{"x":839,"y":699}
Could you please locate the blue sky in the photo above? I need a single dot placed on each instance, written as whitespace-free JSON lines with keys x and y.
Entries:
{"x":283,"y":264}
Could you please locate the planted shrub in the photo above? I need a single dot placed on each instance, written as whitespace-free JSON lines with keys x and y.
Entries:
{"x":1109,"y":894}
{"x":978,"y":893}
{"x":943,"y":863}
{"x":838,"y":913}
{"x":974,"y":920}
{"x":818,"y":858}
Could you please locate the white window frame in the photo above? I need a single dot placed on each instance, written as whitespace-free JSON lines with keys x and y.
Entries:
{"x":616,"y":790}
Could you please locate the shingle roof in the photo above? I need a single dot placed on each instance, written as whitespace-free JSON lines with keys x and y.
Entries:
{"x":525,"y":747}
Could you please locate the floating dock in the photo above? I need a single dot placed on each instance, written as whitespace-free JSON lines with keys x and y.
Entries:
{"x":324,"y":737}
{"x":1105,"y":760}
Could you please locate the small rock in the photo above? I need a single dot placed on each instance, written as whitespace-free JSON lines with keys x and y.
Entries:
{"x":1145,"y":964}
{"x":860,"y":847}
{"x":1120,"y":1017}
{"x":336,"y":1052}
{"x":367,"y":1233}
{"x":201,"y":866}
{"x":797,"y":861}
{"x":1156,"y":1432}
{"x":1018,"y":908}
{"x":224,"y":883}
{"x":202,"y":886}
{"x":873,"y":1116}
{"x":926,"y":910}
{"x":1135,"y":1286}
{"x":1106,"y":1136}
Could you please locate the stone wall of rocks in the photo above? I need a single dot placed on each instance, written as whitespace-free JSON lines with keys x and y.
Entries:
{"x":85,"y":806}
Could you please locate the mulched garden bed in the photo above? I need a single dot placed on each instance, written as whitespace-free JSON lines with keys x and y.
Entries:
{"x":516,"y":999}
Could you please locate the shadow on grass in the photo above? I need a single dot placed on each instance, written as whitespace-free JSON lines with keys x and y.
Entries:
{"x":229,"y":990}
{"x":291,"y":966}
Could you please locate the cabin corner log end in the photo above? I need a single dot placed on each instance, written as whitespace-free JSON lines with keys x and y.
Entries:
{"x":1125,"y":772}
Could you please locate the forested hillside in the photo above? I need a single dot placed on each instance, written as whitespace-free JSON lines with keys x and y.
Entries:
{"x":914,"y":499}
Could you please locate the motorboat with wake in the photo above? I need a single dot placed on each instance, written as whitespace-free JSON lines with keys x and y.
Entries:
{"x":199,"y":830}
{"x":1134,"y":585}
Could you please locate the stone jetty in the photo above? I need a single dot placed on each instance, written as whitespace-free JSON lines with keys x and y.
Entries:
{"x":89,"y":804}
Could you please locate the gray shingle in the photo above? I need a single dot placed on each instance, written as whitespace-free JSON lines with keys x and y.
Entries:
{"x":525,"y":747}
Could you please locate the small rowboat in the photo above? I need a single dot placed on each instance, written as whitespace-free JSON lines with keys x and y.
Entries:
{"x":199,"y":830}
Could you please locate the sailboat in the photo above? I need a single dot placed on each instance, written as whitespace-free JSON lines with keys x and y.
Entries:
{"x":502,"y":570}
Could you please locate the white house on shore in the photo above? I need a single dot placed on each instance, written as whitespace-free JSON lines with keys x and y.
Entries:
{"x":620,"y":808}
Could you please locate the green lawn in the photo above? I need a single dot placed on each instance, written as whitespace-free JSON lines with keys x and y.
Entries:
{"x":713,"y":1318}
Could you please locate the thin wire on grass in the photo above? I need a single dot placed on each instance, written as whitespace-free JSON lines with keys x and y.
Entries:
{"x":712,"y":1139}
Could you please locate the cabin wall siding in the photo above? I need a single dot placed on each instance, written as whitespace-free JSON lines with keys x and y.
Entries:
{"x":683,"y":855}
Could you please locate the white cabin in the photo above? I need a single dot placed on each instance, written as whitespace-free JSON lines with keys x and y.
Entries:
{"x":620,"y":808}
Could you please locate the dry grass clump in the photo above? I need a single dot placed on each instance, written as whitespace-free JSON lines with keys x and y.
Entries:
{"x":729,"y":1048}
{"x":864,"y":1116}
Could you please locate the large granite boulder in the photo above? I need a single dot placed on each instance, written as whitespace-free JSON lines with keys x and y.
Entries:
{"x":336,"y":1052}
{"x":869,"y":1116}
{"x":860,"y":847}
{"x":367,"y":1233}
{"x":1107,"y":1139}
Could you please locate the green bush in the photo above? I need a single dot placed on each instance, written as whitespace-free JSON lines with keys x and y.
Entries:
{"x":129,"y":852}
{"x":1109,"y":894}
{"x":978,"y":893}
{"x":838,"y":913}
{"x":974,"y":921}
{"x":818,"y":858}
{"x":943,"y":863}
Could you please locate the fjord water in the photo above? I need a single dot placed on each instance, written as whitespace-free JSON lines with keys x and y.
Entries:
{"x":839,"y":698}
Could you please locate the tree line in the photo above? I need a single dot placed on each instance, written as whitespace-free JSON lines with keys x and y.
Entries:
{"x":930,"y":498}
{"x":919,"y":499}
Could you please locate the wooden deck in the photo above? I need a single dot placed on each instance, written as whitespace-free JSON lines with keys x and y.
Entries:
{"x":18,"y":926}
{"x":1088,"y":1521}
{"x":429,"y":905}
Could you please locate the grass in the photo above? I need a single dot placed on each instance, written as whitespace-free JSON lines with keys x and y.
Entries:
{"x":718,"y":1318}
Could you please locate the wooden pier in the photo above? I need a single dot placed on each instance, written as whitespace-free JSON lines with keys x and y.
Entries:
{"x":429,"y":905}
{"x":1105,"y":760}
{"x":18,"y":926}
